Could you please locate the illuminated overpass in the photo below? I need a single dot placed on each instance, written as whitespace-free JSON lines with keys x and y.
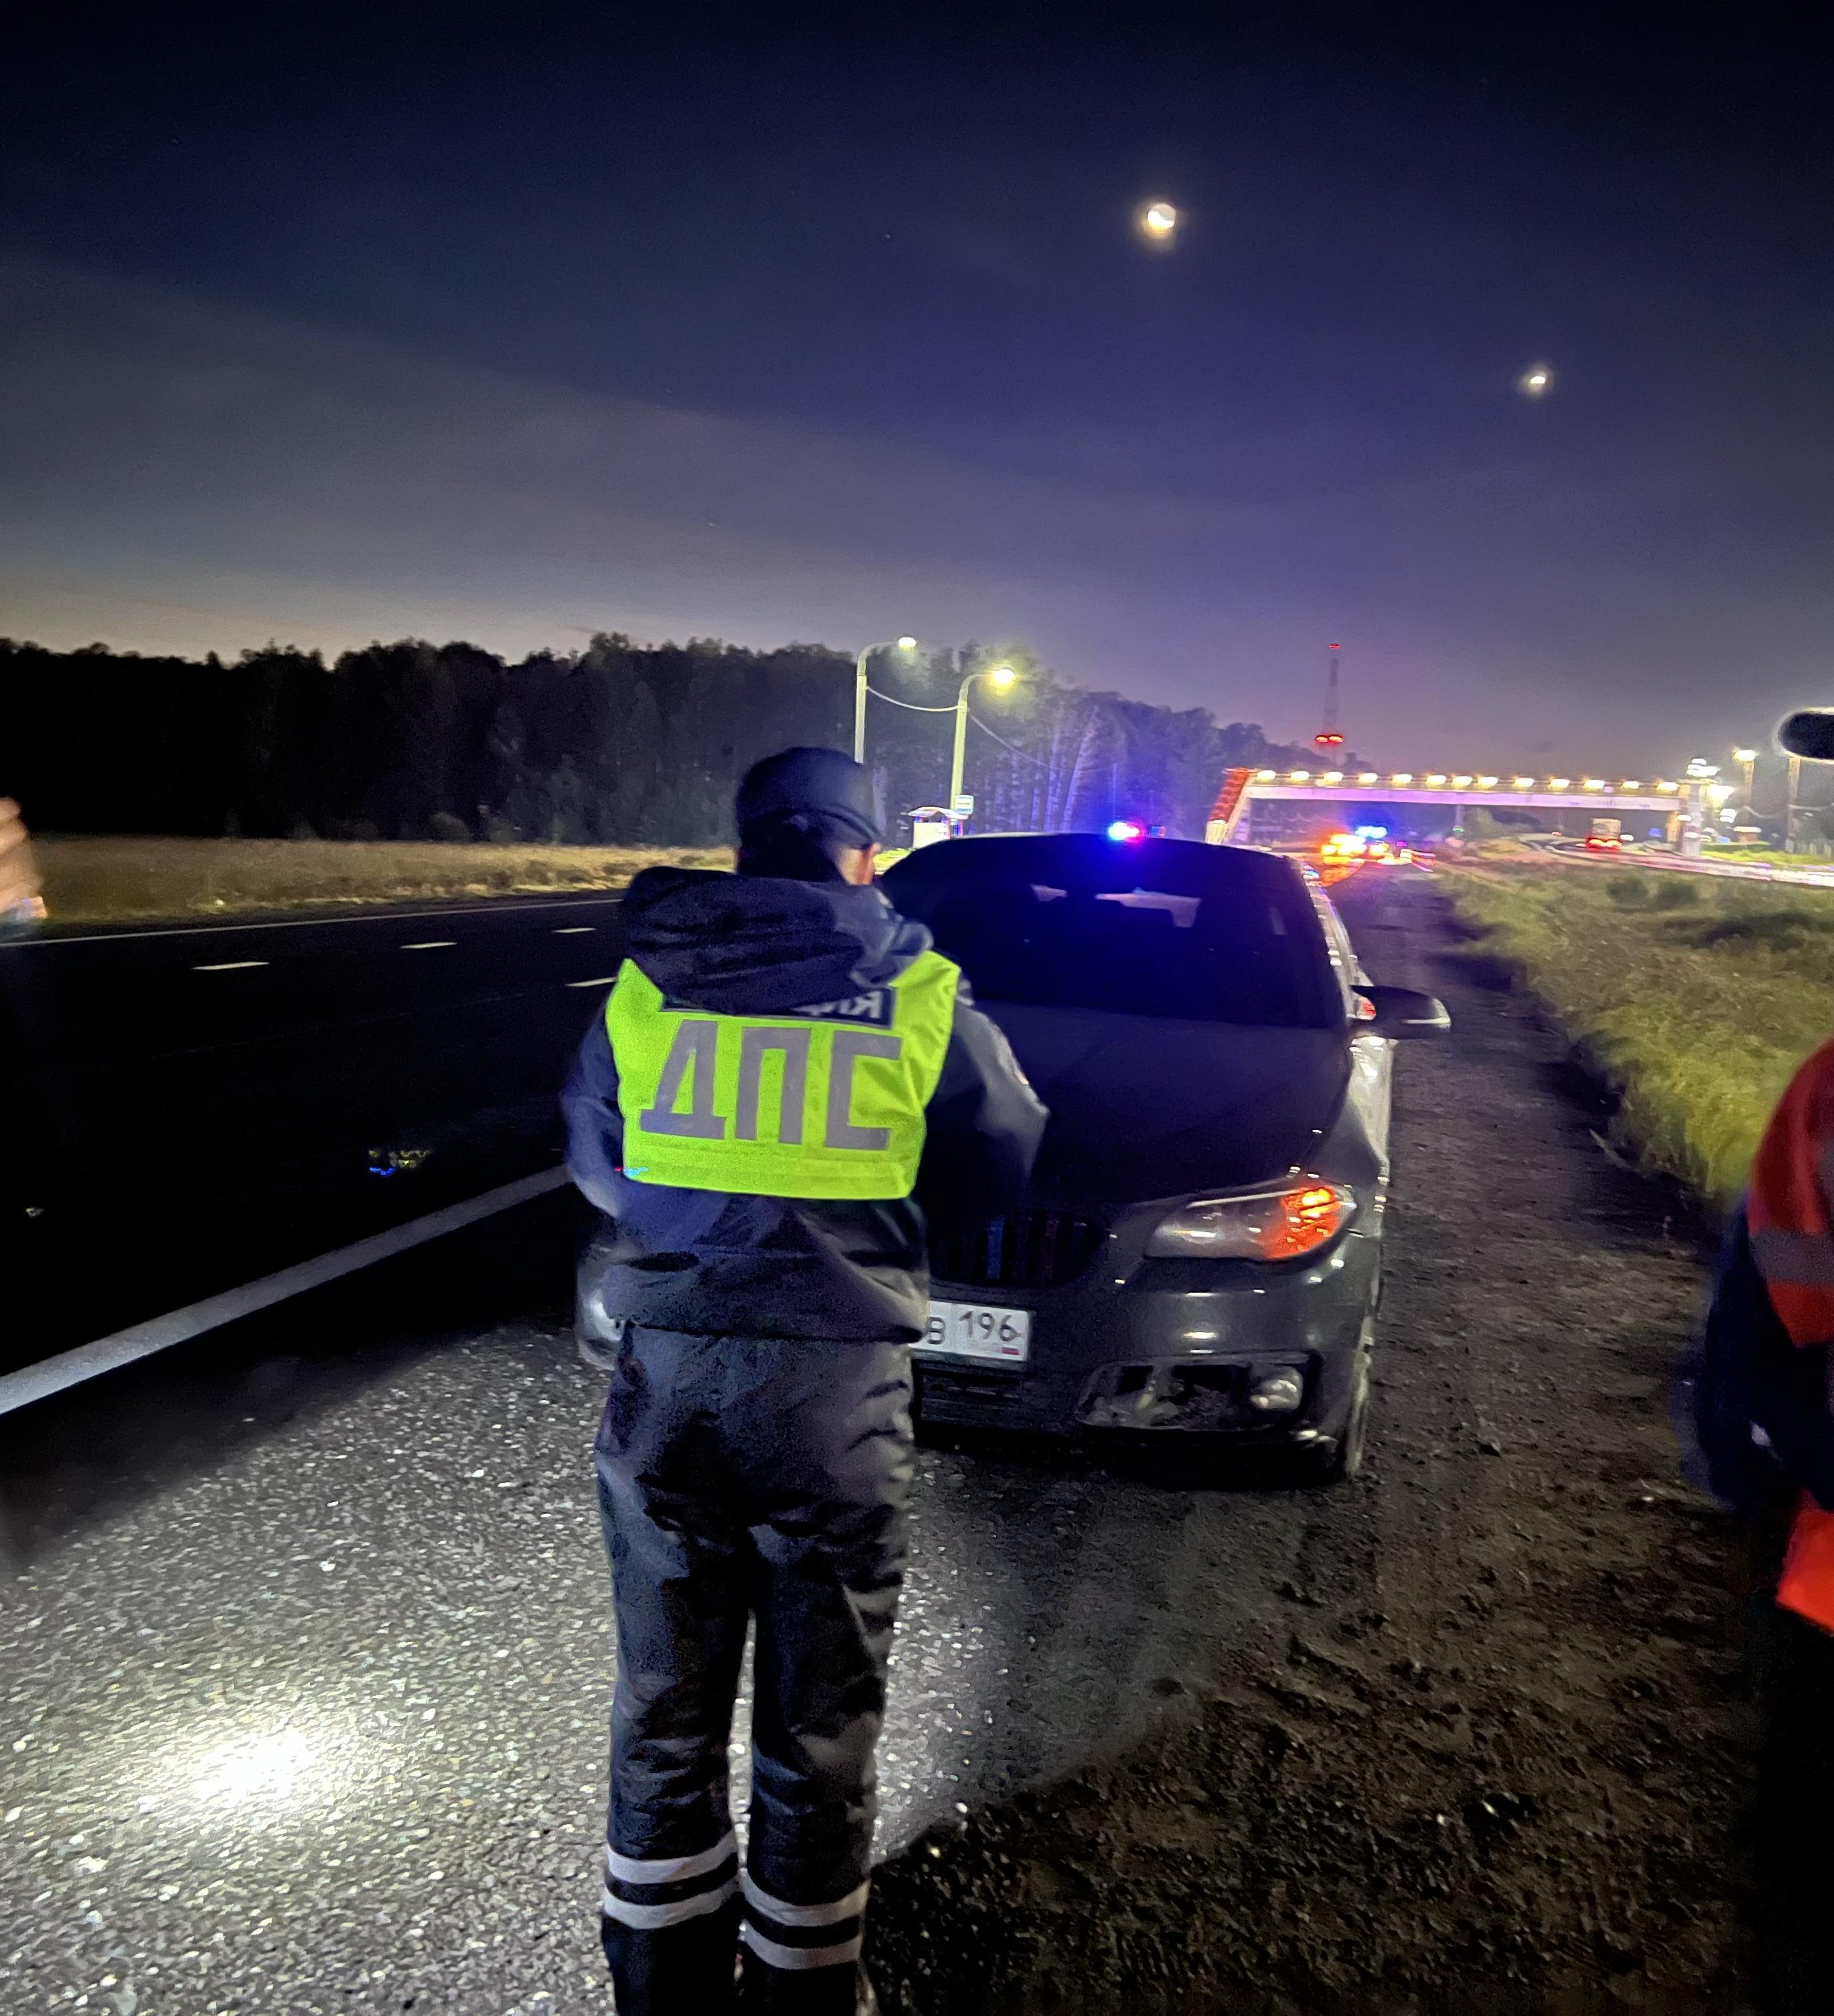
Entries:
{"x":1232,"y":815}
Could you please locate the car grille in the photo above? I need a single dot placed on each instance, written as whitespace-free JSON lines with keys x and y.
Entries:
{"x":1028,"y":1249}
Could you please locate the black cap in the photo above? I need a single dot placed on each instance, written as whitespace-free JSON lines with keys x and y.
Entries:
{"x":818,"y":782}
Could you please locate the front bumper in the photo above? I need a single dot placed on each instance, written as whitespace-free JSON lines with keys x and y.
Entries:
{"x":1170,"y":1346}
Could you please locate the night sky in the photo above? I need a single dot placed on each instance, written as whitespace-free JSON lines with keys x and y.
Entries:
{"x":341,"y":326}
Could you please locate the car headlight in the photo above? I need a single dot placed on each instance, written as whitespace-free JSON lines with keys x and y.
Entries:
{"x":1284,"y":1224}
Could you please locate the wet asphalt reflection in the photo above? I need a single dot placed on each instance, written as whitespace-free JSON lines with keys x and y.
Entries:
{"x":306,"y":1653}
{"x":317,"y":1721}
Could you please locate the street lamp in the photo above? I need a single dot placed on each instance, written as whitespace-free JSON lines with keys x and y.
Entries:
{"x":999,"y":675}
{"x":1158,"y":221}
{"x":892,"y":644}
{"x":1746,"y":759}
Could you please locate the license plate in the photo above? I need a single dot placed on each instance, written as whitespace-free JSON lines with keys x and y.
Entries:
{"x":976,"y":1330}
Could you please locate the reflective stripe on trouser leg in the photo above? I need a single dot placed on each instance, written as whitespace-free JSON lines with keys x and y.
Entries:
{"x":647,"y":1895}
{"x":796,"y":1937}
{"x":679,"y":1970}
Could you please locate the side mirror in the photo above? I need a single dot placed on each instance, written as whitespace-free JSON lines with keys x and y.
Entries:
{"x":1399,"y":1013}
{"x":1810,"y":733}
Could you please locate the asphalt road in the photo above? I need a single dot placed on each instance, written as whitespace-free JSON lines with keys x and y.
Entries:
{"x":189,"y":1108}
{"x":1635,"y":854}
{"x":304,"y":1657}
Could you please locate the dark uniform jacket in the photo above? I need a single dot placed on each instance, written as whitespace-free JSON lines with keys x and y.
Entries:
{"x":709,"y":1262}
{"x":1756,"y":1419}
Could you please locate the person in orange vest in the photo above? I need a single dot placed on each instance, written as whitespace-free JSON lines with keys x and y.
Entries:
{"x":1758,"y":1413}
{"x":1758,"y":1391}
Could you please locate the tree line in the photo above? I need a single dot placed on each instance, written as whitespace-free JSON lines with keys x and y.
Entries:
{"x":620,"y":743}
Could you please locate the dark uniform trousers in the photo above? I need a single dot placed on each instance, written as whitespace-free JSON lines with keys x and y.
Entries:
{"x":745,"y":1478}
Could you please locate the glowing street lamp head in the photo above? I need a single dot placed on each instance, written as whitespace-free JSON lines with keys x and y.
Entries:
{"x":1159,"y":221}
{"x":1536,"y":382}
{"x":907,"y":643}
{"x":1000,"y":675}
{"x":1744,"y":755}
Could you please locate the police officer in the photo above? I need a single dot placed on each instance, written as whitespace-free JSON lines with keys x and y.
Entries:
{"x":784,"y":1067}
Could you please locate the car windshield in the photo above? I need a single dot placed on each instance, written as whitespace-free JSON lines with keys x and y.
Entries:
{"x":1168,"y":927}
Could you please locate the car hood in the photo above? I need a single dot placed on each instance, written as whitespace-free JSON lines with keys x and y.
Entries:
{"x":1143,"y":1107}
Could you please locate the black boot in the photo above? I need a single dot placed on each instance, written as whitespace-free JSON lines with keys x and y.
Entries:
{"x":815,"y":1991}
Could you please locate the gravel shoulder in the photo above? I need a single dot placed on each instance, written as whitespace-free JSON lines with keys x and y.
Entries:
{"x":1500,"y":1748}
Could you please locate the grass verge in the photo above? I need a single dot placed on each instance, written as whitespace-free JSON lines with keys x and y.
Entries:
{"x":119,"y":881}
{"x":1694,"y":999}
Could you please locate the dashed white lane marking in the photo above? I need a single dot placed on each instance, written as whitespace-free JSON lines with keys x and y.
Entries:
{"x":606,"y":982}
{"x":431,"y":944}
{"x":572,"y":930}
{"x":229,"y":965}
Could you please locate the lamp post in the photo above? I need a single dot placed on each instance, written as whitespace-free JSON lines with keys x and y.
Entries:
{"x":1002,"y":676}
{"x":1700,"y":775}
{"x":859,"y":663}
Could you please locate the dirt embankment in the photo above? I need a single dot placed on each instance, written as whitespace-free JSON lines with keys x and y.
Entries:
{"x":1506,"y":1756}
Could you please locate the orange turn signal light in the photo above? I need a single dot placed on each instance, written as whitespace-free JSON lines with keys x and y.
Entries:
{"x":1285,"y":1224}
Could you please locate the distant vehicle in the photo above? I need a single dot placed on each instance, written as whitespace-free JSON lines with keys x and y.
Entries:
{"x":1200,"y":1248}
{"x":1607,"y":836}
{"x":1369,"y":845}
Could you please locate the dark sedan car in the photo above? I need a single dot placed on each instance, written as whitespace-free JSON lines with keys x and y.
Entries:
{"x":1200,"y":1249}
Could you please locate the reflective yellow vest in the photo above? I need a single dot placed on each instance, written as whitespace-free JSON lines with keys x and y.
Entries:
{"x":825,"y":1102}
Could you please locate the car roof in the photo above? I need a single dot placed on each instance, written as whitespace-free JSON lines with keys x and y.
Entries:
{"x":1193,"y":867}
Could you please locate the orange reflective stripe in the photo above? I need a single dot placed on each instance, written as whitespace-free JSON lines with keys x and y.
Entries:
{"x":1808,"y":1583}
{"x":1807,"y":1314}
{"x":1788,"y":1207}
{"x":1787,"y":1212}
